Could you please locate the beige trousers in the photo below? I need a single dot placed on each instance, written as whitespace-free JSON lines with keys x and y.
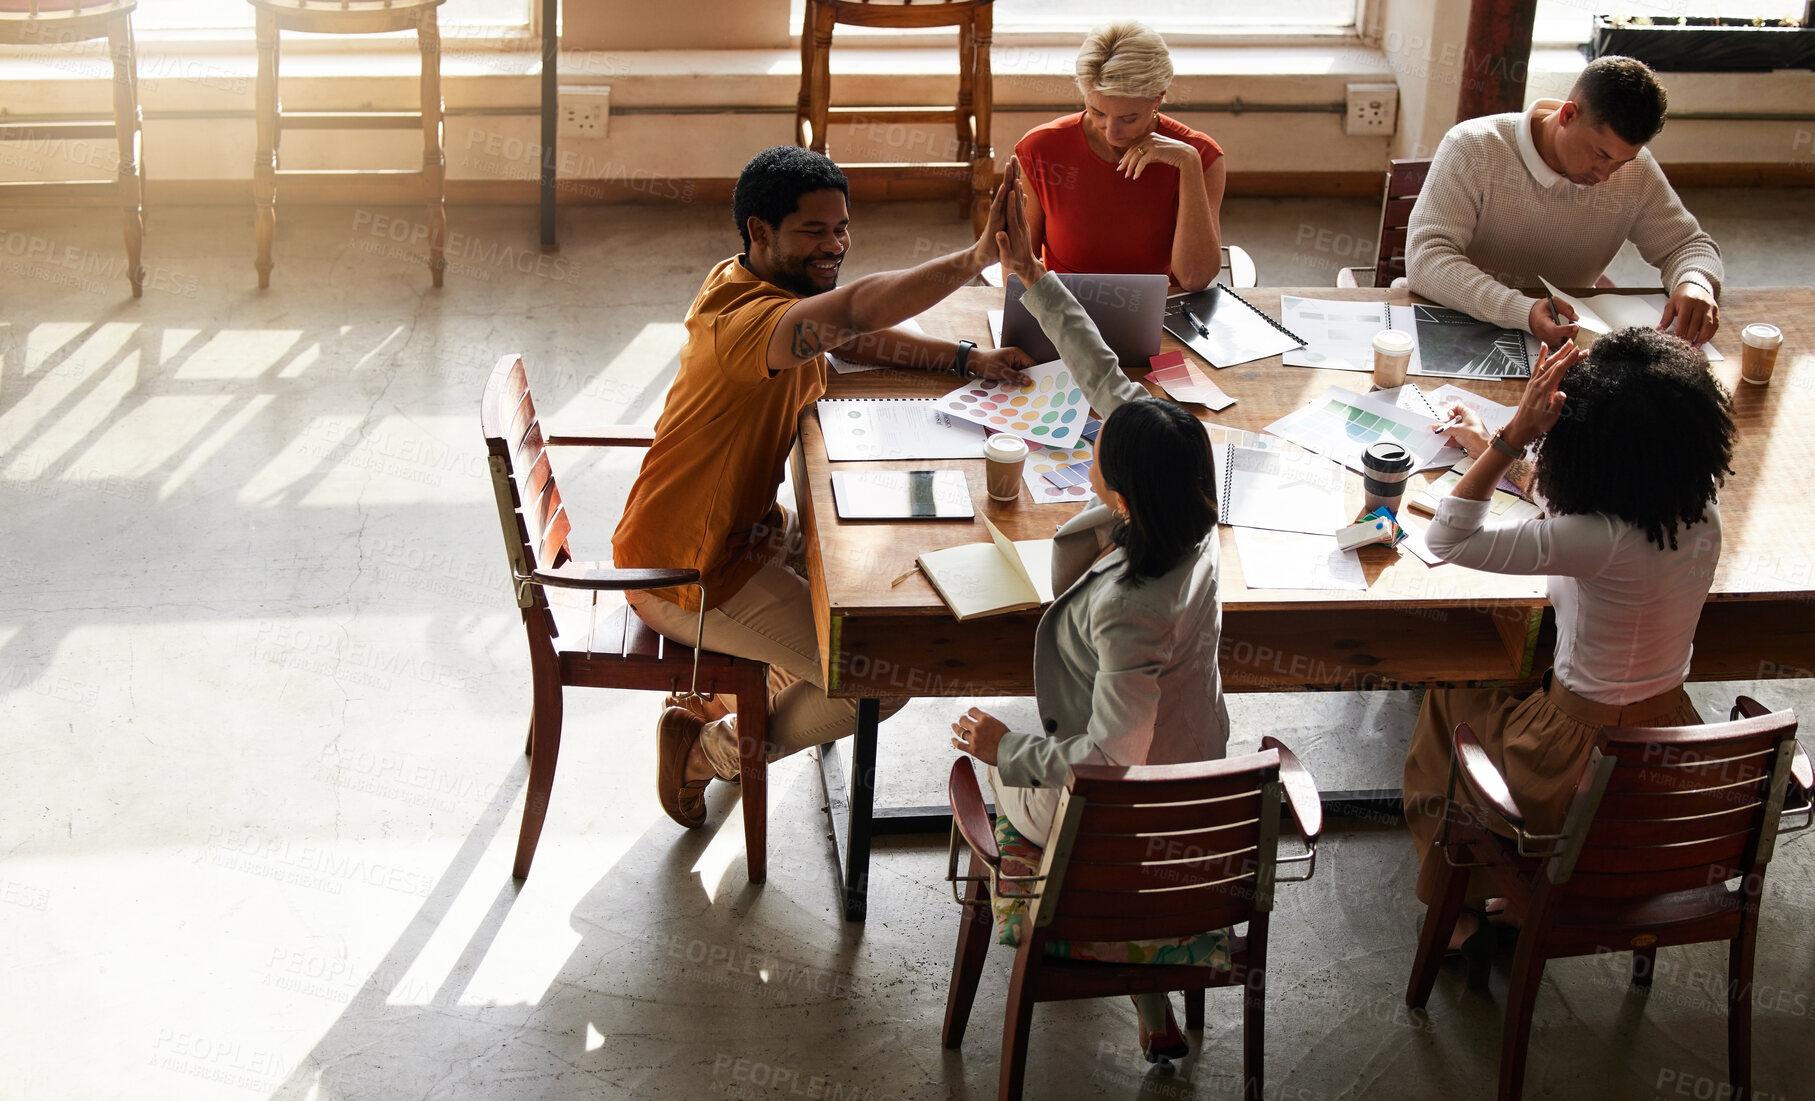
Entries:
{"x":770,"y":620}
{"x":1540,"y":744}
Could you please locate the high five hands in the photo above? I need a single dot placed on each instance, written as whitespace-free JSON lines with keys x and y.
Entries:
{"x":1014,"y":243}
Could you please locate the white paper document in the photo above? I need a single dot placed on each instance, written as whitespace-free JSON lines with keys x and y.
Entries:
{"x":1602,"y":313}
{"x":1338,"y":336}
{"x":1280,"y":488}
{"x":1293,"y":560}
{"x":859,"y":429}
{"x":1494,"y":416}
{"x":1341,"y":424}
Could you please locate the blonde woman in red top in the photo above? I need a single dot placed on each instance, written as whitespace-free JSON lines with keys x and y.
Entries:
{"x":1120,"y":187}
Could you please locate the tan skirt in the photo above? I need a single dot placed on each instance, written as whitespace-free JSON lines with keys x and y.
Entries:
{"x":1539,"y":742}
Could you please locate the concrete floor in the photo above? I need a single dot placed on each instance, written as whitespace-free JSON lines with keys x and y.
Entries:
{"x":264,"y":696}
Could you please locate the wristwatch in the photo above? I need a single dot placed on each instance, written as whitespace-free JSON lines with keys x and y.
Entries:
{"x":1499,"y":444}
{"x":960,"y":362}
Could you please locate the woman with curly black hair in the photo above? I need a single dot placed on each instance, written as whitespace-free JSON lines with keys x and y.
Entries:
{"x":1634,"y":439}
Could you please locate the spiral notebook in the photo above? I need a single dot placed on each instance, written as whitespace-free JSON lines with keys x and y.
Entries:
{"x":1339,"y":336}
{"x":859,"y":429}
{"x":1276,"y":486}
{"x":1225,"y":328}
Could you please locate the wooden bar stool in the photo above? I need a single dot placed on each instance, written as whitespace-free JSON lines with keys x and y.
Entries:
{"x":60,"y":22}
{"x":348,"y":17}
{"x":970,"y":118}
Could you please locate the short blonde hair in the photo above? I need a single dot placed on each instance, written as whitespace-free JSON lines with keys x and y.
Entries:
{"x":1125,"y":58}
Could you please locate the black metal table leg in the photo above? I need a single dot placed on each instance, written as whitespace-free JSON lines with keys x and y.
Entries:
{"x":851,"y":807}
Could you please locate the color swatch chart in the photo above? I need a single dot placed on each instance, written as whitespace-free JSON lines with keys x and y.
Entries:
{"x":1185,"y":382}
{"x":1045,"y":462}
{"x":1074,"y":474}
{"x":1049,"y":410}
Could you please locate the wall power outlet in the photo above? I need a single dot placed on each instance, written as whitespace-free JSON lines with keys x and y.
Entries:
{"x":1373,"y":109}
{"x":585,"y":111}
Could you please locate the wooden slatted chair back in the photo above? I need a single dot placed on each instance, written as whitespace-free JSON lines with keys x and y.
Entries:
{"x":1155,"y":851}
{"x":348,"y":16}
{"x":1403,"y":183}
{"x":903,"y":14}
{"x":1668,"y":809}
{"x":530,"y":510}
{"x":58,"y":22}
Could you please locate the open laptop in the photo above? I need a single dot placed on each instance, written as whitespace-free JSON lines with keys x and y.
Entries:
{"x":1128,"y":311}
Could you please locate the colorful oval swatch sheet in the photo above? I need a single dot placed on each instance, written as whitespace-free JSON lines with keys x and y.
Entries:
{"x":1045,"y":461}
{"x":1049,"y":411}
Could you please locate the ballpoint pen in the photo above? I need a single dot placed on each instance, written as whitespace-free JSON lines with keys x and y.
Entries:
{"x":1191,"y":317}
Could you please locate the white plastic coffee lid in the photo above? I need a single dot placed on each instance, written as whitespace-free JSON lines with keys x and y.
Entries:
{"x":1005,"y":448}
{"x":1393,"y":342}
{"x":1760,"y":335}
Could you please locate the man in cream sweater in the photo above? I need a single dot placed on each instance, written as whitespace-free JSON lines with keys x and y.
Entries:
{"x":1554,"y":192}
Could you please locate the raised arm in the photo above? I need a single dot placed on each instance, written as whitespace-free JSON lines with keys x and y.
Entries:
{"x":823,"y":322}
{"x":1064,"y":321}
{"x":1573,"y":546}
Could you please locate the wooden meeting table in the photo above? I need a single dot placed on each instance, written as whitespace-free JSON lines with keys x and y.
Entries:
{"x":1414,"y":625}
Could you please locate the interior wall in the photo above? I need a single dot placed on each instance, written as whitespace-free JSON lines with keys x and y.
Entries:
{"x":1423,"y":43}
{"x":675,"y":25}
{"x":698,"y":85}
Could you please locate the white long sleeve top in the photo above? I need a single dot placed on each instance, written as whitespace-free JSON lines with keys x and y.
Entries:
{"x":1493,"y":216}
{"x":1626,"y":608}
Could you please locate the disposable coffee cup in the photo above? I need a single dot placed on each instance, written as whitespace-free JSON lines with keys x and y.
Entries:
{"x":1384,"y":469}
{"x":1759,"y":344}
{"x":1003,"y":457}
{"x":1392,"y":355}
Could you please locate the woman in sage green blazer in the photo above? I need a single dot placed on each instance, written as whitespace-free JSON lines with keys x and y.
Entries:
{"x":1125,"y":658}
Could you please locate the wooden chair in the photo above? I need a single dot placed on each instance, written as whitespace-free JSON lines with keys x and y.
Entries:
{"x":348,"y":17}
{"x":1665,"y":843}
{"x":1136,"y":853}
{"x":975,"y":159}
{"x":61,"y":23}
{"x":1404,"y":180}
{"x":618,"y":650}
{"x":1240,"y":267}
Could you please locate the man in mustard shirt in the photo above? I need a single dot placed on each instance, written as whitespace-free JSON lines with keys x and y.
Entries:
{"x":754,"y":360}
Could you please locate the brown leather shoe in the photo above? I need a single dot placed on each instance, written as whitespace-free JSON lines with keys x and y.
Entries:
{"x":706,"y":707}
{"x":676,"y":733}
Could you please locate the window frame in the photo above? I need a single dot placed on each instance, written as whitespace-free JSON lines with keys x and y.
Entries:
{"x":466,"y":38}
{"x":1187,"y":35}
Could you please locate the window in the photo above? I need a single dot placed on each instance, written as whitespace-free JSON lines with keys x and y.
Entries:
{"x":1074,"y":17}
{"x":211,"y":15}
{"x":1206,"y":16}
{"x":1570,"y":22}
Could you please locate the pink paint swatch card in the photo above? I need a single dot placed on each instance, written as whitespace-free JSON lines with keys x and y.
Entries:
{"x":1184,"y":381}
